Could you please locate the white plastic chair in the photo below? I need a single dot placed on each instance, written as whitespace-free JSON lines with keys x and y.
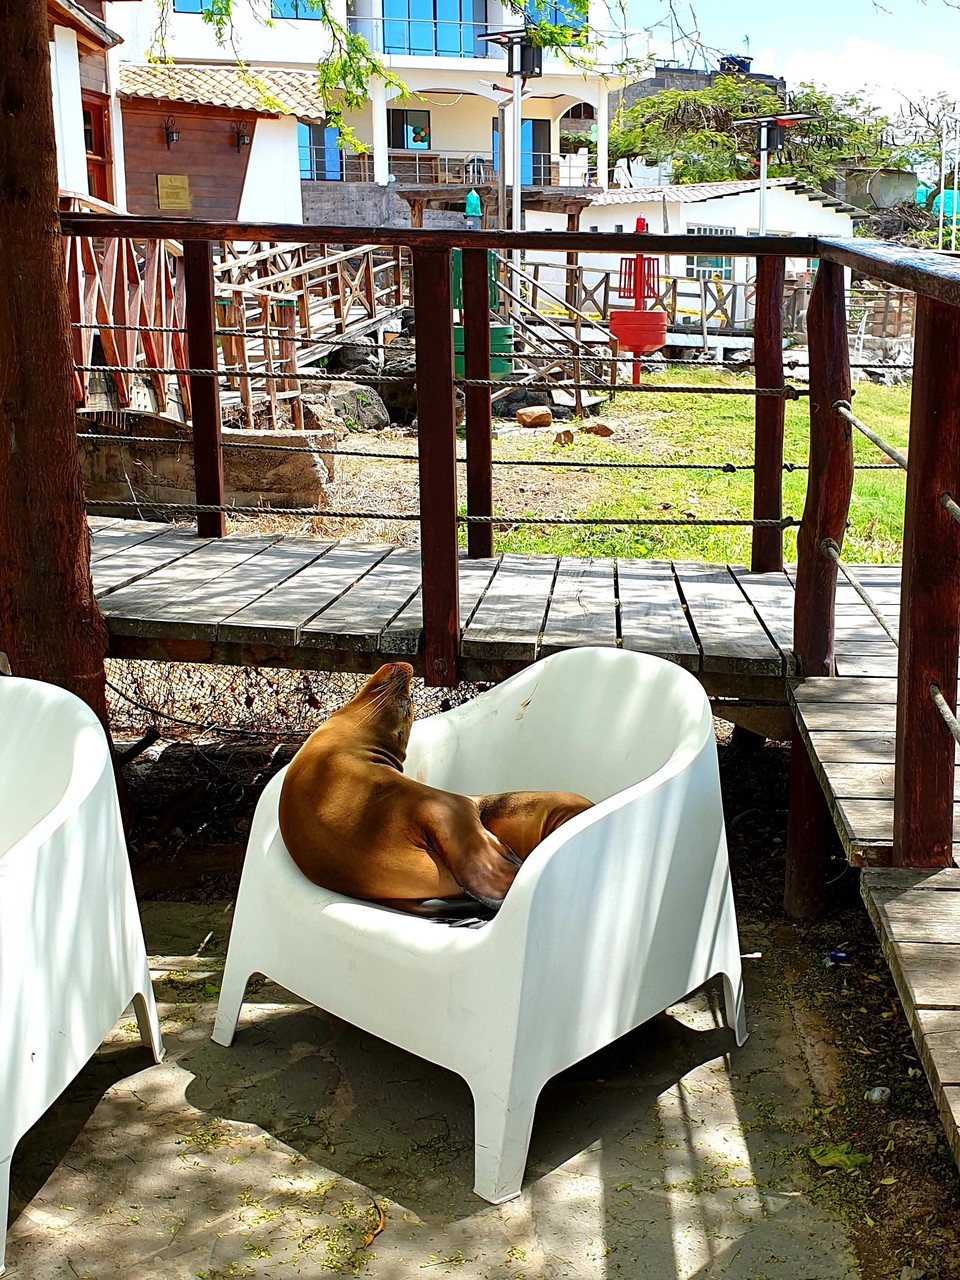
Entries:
{"x":72,"y":955}
{"x":618,"y":914}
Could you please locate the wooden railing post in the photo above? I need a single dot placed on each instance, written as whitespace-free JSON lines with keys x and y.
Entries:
{"x":767,"y":548}
{"x":929,"y":597}
{"x":476,"y":364}
{"x":829,"y":486}
{"x":437,"y":436}
{"x":204,"y":390}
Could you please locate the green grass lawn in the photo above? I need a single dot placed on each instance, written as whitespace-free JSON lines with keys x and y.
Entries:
{"x":673,"y":428}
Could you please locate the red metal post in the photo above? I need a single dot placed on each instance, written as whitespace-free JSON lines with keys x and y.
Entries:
{"x":437,"y":434}
{"x":929,"y":597}
{"x":204,"y":390}
{"x":767,"y":549}
{"x":829,"y":486}
{"x":476,"y":364}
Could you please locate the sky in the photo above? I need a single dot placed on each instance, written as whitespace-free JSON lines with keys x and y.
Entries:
{"x":889,"y":47}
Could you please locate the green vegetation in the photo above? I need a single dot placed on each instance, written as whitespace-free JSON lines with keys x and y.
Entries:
{"x":682,"y":428}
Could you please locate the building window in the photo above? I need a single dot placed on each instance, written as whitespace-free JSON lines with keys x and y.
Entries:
{"x":96,"y":142}
{"x":443,"y":28}
{"x":321,"y":158}
{"x":580,"y":111}
{"x":192,"y":6}
{"x":408,"y":130}
{"x":709,"y":266}
{"x":293,"y":9}
{"x":558,"y":13}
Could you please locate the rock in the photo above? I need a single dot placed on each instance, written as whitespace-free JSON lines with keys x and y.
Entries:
{"x":318,"y":416}
{"x":359,"y":355}
{"x":597,"y":428}
{"x":563,"y":437}
{"x":539,"y":415}
{"x":358,"y":406}
{"x":878,"y":1097}
{"x":398,"y":391}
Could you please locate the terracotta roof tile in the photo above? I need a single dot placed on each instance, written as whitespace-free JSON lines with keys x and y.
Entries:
{"x":261,"y":92}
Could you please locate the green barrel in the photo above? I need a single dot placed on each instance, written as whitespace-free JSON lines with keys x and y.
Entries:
{"x":456,"y":265}
{"x":501,"y":350}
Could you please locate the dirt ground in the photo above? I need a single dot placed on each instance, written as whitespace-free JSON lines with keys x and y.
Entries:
{"x":193,"y":803}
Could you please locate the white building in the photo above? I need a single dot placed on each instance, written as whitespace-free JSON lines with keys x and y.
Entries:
{"x":444,"y":131}
{"x":689,"y":281}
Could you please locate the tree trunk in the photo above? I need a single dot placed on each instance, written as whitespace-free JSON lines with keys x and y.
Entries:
{"x":50,"y":626}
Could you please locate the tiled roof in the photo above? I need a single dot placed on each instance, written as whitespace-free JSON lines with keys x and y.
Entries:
{"x":697,"y":192}
{"x":93,"y":30}
{"x":260,"y":92}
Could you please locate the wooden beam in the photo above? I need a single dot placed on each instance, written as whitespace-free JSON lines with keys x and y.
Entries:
{"x":437,"y":433}
{"x":830,"y":475}
{"x":204,"y":391}
{"x":767,"y":546}
{"x":476,"y":364}
{"x":930,"y":597}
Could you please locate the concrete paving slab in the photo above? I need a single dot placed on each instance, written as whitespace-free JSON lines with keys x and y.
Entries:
{"x":669,"y":1154}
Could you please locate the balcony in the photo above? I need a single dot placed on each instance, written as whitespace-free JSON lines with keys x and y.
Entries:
{"x":425,"y":38}
{"x":414,"y":168}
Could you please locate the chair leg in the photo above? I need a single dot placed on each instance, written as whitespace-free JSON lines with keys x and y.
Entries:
{"x":4,"y":1204}
{"x":736,"y":1017}
{"x":145,"y":1007}
{"x":503,"y":1121}
{"x":232,"y":991}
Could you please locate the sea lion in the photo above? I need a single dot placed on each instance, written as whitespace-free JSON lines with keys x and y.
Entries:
{"x":522,"y":819}
{"x":352,"y":821}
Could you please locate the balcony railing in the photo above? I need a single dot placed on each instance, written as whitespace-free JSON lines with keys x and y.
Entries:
{"x":458,"y":168}
{"x":422,"y":37}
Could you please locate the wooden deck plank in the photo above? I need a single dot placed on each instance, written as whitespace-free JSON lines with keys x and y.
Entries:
{"x":509,"y":619}
{"x":404,"y":635}
{"x":772,"y":597}
{"x":830,"y":689}
{"x":120,"y":535}
{"x":355,"y":621}
{"x":274,"y":566}
{"x":731,"y":636}
{"x":278,"y":617}
{"x":117,"y":572}
{"x":583,"y":606}
{"x":860,"y":716}
{"x":188,"y":598}
{"x":918,"y":932}
{"x":838,"y":746}
{"x":652,"y":617}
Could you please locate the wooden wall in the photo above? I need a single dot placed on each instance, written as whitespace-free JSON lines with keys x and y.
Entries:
{"x":206,"y":154}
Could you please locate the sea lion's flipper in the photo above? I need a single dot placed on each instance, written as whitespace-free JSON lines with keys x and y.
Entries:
{"x":522,"y":819}
{"x":482,"y":865}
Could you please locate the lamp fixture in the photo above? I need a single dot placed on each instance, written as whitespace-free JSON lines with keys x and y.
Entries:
{"x":170,"y":131}
{"x":242,"y":133}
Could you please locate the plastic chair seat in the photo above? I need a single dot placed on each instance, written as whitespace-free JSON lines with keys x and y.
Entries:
{"x":72,"y":955}
{"x":619,"y":913}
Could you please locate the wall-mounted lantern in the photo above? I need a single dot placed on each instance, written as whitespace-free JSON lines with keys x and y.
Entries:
{"x":243,"y":135}
{"x":170,"y":131}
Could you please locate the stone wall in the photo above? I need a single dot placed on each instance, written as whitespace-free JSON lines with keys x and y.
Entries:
{"x":253,"y":476}
{"x":365,"y":204}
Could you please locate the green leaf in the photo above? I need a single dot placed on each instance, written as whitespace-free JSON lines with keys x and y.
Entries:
{"x":841,"y":1156}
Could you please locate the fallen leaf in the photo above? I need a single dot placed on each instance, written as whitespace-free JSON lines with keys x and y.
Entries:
{"x":841,"y":1156}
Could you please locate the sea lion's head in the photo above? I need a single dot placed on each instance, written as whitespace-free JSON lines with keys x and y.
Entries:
{"x":384,"y":708}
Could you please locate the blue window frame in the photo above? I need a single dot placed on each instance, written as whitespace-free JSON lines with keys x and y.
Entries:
{"x":443,"y":28}
{"x":191,"y":6}
{"x":321,"y":158}
{"x":559,"y":13}
{"x":294,"y":9}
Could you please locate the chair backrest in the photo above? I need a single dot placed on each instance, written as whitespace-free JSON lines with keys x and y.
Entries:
{"x":49,"y":741}
{"x":591,"y":720}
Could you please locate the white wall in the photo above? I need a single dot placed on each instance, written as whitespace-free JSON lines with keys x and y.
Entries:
{"x":788,"y":213}
{"x":68,"y":112}
{"x":288,"y":41}
{"x":271,"y":189}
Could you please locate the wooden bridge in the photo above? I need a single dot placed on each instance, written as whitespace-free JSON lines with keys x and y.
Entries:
{"x":862,"y":668}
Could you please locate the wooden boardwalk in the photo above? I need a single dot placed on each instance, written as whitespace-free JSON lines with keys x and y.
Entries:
{"x":165,"y":593}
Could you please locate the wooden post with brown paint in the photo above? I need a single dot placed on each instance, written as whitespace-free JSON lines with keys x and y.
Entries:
{"x":204,"y":389}
{"x":767,"y":544}
{"x":829,"y":486}
{"x":929,"y":597}
{"x":437,"y":434}
{"x":476,"y":364}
